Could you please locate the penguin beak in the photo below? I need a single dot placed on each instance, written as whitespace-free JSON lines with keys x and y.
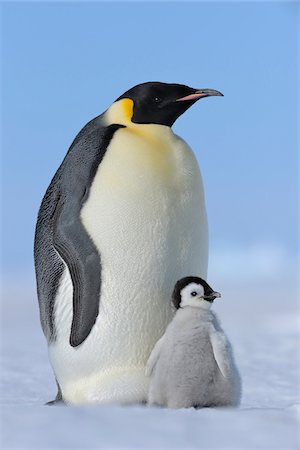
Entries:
{"x":212,"y":296}
{"x":200,"y":93}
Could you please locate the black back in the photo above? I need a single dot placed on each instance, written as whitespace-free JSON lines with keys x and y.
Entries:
{"x":61,"y":237}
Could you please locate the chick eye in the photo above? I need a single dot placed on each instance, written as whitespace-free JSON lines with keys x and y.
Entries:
{"x":157,"y":99}
{"x":193,"y":294}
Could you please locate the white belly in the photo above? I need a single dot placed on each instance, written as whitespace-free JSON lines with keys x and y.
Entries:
{"x":146,"y":215}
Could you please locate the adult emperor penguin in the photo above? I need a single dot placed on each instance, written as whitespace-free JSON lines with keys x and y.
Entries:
{"x":123,"y":218}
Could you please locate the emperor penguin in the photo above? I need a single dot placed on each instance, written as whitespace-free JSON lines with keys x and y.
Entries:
{"x":192,"y":364}
{"x":122,"y":219}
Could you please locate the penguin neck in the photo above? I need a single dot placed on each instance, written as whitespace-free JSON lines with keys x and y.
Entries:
{"x":190,"y":315}
{"x":121,"y":112}
{"x":192,"y":309}
{"x":195,"y":303}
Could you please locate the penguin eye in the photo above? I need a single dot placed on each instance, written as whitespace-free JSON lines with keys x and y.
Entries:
{"x":193,"y":294}
{"x":157,"y":99}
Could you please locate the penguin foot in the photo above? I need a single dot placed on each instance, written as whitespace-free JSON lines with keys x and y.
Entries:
{"x":125,"y":386}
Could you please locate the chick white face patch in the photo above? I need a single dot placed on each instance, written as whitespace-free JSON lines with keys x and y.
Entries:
{"x":191,"y":291}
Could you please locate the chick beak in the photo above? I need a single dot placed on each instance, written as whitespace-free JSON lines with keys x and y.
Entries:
{"x":210,"y":298}
{"x":200,"y":93}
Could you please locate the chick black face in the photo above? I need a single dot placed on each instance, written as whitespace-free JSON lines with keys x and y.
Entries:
{"x":163,"y":103}
{"x":192,"y":289}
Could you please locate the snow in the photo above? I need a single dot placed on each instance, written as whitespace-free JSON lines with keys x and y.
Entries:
{"x":261,"y":322}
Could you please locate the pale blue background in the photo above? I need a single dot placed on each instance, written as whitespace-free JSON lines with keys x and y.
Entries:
{"x":65,"y":63}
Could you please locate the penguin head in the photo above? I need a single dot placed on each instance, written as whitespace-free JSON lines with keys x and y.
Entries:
{"x":193,"y":291}
{"x":160,"y":103}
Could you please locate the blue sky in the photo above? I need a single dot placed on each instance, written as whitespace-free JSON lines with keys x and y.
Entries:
{"x":64,"y":63}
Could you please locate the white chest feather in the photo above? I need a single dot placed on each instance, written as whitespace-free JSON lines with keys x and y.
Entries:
{"x":147,"y":194}
{"x":146,"y":215}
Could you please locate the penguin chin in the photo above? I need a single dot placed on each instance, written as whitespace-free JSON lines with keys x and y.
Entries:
{"x":205,"y":304}
{"x":197,"y":303}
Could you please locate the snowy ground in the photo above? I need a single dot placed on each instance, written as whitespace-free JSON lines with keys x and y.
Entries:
{"x":262,"y":324}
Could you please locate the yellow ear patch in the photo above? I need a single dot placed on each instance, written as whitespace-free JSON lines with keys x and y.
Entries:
{"x":127,"y":105}
{"x":120,"y":112}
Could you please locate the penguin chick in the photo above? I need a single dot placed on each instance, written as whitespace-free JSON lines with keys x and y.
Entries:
{"x":192,"y":364}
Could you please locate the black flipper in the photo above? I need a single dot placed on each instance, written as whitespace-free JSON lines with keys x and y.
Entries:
{"x":83,"y":261}
{"x":59,"y":229}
